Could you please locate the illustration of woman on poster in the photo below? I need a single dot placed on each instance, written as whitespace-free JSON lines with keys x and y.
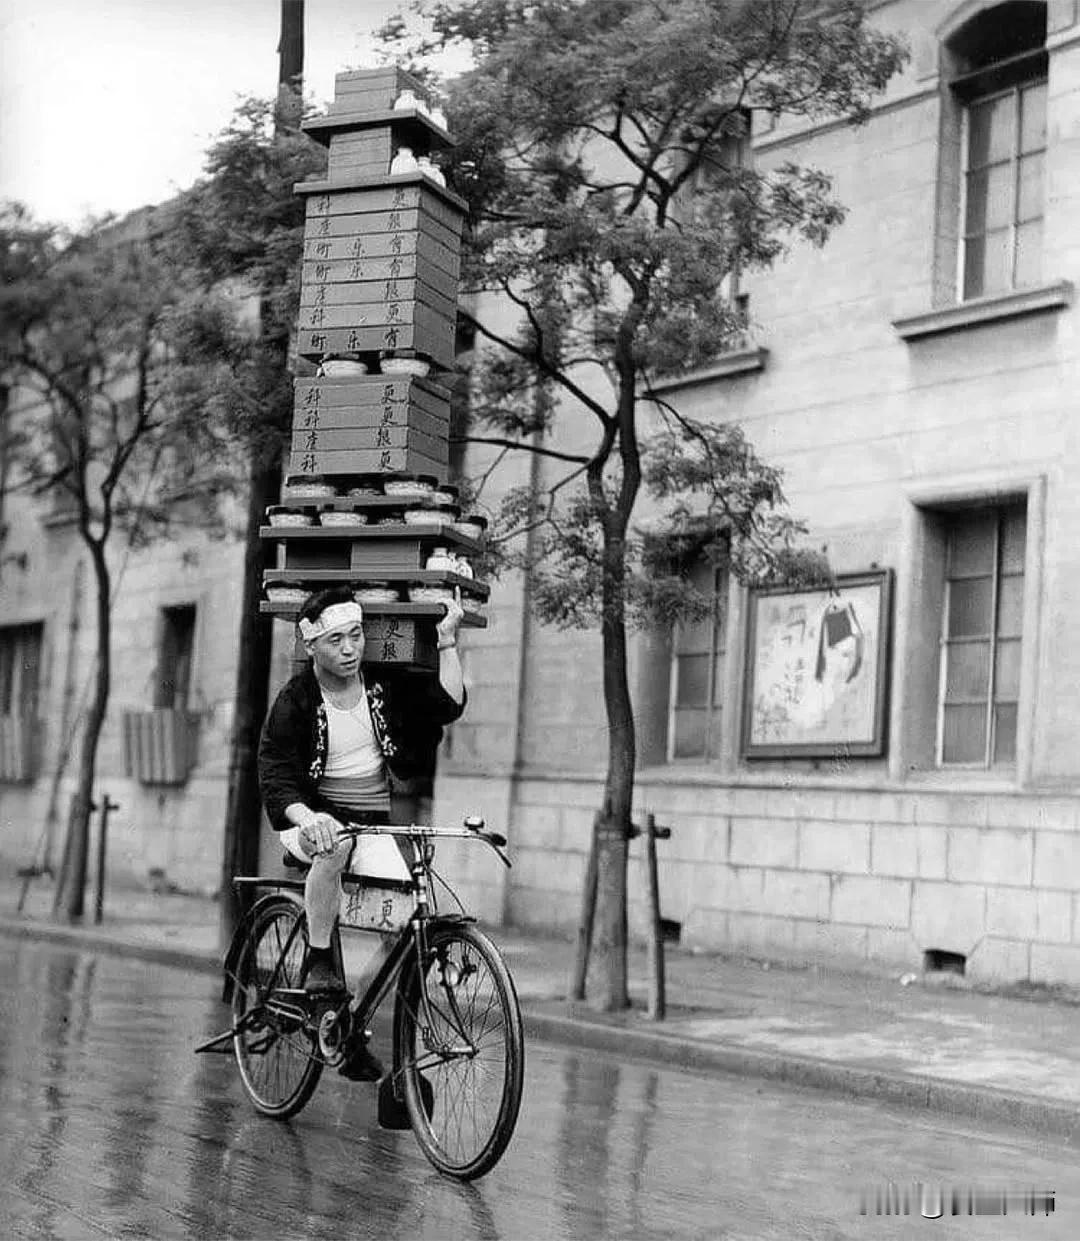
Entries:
{"x":832,"y":704}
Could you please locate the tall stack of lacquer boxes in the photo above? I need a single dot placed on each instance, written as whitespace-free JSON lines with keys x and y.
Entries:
{"x":366,"y":501}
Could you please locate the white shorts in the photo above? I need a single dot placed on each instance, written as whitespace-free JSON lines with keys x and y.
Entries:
{"x":378,"y":857}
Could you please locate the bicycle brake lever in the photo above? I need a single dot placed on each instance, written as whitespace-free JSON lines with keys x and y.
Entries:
{"x":497,"y":841}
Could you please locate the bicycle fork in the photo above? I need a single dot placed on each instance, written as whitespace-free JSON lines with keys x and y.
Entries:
{"x":449,"y":985}
{"x":432,"y":1016}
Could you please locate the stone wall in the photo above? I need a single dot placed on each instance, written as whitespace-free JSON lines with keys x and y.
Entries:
{"x":874,"y":877}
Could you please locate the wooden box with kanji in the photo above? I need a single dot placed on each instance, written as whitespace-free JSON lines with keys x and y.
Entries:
{"x":378,"y":311}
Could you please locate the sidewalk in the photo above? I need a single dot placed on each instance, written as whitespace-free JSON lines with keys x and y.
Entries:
{"x":951,"y":1049}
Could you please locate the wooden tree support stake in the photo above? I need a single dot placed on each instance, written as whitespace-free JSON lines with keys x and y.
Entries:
{"x":657,"y":1003}
{"x":585,"y":922}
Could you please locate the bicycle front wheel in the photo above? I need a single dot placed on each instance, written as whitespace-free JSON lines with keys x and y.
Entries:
{"x":462,"y":1074}
{"x":274,"y":1042}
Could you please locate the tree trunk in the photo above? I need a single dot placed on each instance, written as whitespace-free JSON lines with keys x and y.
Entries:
{"x":608,"y":971}
{"x":243,"y":814}
{"x":71,"y":891}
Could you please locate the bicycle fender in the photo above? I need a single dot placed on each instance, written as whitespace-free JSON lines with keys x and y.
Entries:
{"x":243,"y":929}
{"x":432,"y":925}
{"x":448,"y":919}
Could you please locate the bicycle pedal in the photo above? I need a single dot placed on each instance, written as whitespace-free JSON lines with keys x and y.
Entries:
{"x":221,"y":1044}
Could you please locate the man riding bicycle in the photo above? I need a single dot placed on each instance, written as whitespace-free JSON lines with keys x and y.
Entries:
{"x":333,"y":743}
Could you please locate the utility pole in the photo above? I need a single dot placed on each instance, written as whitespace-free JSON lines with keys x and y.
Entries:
{"x":291,"y":64}
{"x":243,"y":814}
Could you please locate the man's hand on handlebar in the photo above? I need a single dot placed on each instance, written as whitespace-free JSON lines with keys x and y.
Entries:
{"x":320,"y":835}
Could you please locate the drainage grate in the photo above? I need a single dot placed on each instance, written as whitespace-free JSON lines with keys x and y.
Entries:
{"x":938,"y":961}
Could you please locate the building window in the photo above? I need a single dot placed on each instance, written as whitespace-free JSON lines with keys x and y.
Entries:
{"x":20,"y":663}
{"x":981,"y":637}
{"x":999,"y":82}
{"x":161,"y":745}
{"x":177,"y":648}
{"x":697,"y":671}
{"x":719,"y":173}
{"x":1003,"y":186}
{"x":20,"y":672}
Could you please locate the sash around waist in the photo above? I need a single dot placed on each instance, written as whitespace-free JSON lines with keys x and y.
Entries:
{"x":370,"y":793}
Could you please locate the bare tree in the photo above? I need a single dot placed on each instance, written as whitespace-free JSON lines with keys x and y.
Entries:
{"x":86,"y":342}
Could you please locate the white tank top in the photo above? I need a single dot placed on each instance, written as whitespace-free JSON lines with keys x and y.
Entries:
{"x":355,"y":774}
{"x":352,"y":750}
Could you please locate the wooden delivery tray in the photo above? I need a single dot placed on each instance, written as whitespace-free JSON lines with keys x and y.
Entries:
{"x":334,"y":391}
{"x":406,"y":120}
{"x":415,"y":611}
{"x":400,"y":530}
{"x":417,"y":577}
{"x":384,"y":194}
{"x":414,"y":266}
{"x":312,"y":503}
{"x":366,"y":462}
{"x":365,"y":551}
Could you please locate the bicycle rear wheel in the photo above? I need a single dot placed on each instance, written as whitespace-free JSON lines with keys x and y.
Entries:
{"x":461,"y":1077}
{"x":275,"y":1044}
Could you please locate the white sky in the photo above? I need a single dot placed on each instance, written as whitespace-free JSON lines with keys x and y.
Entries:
{"x":108,"y":105}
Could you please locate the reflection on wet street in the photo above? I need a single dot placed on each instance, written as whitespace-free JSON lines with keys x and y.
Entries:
{"x":112,"y":1128}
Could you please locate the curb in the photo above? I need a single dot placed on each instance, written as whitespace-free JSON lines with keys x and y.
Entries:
{"x":985,"y":1104}
{"x":90,"y":941}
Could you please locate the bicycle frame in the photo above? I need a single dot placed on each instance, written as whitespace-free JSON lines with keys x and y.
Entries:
{"x":411,"y":938}
{"x":414,"y":935}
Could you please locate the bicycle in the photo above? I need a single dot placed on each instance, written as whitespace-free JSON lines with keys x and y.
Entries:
{"x":458,"y":1044}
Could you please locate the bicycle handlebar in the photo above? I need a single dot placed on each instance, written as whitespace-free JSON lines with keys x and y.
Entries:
{"x":421,"y":831}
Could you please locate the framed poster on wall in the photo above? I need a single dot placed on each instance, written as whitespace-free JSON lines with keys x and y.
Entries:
{"x":817,"y":669}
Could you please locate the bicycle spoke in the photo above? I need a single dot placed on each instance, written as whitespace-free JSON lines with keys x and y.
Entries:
{"x":477,"y":1026}
{"x":278,"y":1063}
{"x":470,"y":1056}
{"x":455,"y":1019}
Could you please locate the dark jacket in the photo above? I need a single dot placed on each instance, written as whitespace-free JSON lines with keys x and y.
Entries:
{"x":407,"y":713}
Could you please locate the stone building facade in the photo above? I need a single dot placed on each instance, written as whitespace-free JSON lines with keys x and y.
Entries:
{"x":914,"y":379}
{"x":174,"y":630}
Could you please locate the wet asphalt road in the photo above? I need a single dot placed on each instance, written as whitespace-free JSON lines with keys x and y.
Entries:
{"x":111,"y":1128}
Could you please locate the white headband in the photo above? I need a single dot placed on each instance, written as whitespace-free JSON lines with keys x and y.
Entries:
{"x":336,"y":616}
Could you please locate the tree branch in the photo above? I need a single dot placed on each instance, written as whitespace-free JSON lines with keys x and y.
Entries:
{"x":51,"y":380}
{"x":749,"y":528}
{"x":543,"y":365}
{"x":499,"y":458}
{"x":548,"y":518}
{"x":518,"y":444}
{"x":143,"y":409}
